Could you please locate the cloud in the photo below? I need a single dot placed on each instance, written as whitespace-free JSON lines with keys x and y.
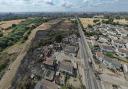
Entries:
{"x":63,"y":5}
{"x":67,"y":4}
{"x":11,"y":2}
{"x":50,"y":2}
{"x":98,"y":2}
{"x":86,"y":0}
{"x":39,"y":2}
{"x":30,"y":2}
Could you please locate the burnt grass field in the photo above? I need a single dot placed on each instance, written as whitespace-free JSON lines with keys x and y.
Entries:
{"x":33,"y":61}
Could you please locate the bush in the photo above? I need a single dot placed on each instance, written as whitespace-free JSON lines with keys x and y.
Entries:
{"x":2,"y":66}
{"x":18,"y":32}
{"x":13,"y":25}
{"x":89,"y":26}
{"x":96,"y":20}
{"x":25,"y":37}
{"x":109,"y":54}
{"x":58,"y":38}
{"x":1,"y":33}
{"x":92,"y":33}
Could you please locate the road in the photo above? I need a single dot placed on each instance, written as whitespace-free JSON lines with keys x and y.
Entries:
{"x":91,"y":82}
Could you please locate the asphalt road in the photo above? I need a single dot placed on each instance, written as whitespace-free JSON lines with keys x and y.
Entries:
{"x":91,"y":82}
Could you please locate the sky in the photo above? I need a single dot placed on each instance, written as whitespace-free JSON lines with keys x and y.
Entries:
{"x":63,"y":5}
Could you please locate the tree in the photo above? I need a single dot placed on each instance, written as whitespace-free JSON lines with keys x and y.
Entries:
{"x":58,"y":38}
{"x":110,"y":20}
{"x":109,"y":54}
{"x":1,"y":33}
{"x":13,"y":25}
{"x":96,"y":20}
{"x":89,"y":26}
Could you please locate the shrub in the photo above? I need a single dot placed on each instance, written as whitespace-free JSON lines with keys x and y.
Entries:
{"x":1,"y":33}
{"x":2,"y":66}
{"x":109,"y":54}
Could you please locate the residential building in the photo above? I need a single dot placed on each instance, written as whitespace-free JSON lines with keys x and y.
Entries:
{"x":109,"y":62}
{"x":107,"y":48}
{"x":119,"y":43}
{"x":44,"y":84}
{"x":66,"y":66}
{"x":122,"y":52}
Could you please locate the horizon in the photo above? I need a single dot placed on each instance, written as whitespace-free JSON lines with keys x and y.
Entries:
{"x":64,"y":6}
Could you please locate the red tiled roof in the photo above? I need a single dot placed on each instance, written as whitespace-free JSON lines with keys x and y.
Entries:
{"x":48,"y":61}
{"x":99,"y":54}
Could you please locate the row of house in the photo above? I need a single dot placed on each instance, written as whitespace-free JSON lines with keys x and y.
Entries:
{"x":114,"y":39}
{"x":107,"y":61}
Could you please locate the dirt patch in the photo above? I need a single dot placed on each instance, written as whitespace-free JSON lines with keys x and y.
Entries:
{"x":87,"y":21}
{"x":121,"y":21}
{"x":7,"y":24}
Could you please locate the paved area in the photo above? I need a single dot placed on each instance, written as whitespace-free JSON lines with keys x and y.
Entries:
{"x":75,"y":82}
{"x":114,"y":80}
{"x":91,"y":82}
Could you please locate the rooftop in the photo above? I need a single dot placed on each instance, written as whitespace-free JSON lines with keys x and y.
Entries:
{"x":112,"y":61}
{"x":107,"y":47}
{"x":123,"y":50}
{"x":99,"y":54}
{"x":66,"y":65}
{"x":48,"y":61}
{"x":44,"y":84}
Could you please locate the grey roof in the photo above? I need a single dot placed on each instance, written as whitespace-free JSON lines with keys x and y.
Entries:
{"x":66,"y":66}
{"x":107,"y":47}
{"x":71,"y":49}
{"x":44,"y":84}
{"x":123,"y":51}
{"x":112,"y":61}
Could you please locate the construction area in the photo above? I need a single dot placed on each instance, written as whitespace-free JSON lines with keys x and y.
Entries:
{"x":51,"y":61}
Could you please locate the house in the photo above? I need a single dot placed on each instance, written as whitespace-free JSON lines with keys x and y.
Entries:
{"x":91,"y":40}
{"x":102,"y":40}
{"x":109,"y":62}
{"x":98,"y":16}
{"x":48,"y":63}
{"x":57,"y":46}
{"x":71,"y":49}
{"x":126,"y":45}
{"x":49,"y":75}
{"x":99,"y":56}
{"x":72,"y":39}
{"x":125,"y":70}
{"x":119,"y":43}
{"x":111,"y":31}
{"x":51,"y":63}
{"x":107,"y":48}
{"x":122,"y":52}
{"x":123,"y":32}
{"x":113,"y":37}
{"x":125,"y":39}
{"x":47,"y":51}
{"x":60,"y":78}
{"x":66,"y":66}
{"x":44,"y":84}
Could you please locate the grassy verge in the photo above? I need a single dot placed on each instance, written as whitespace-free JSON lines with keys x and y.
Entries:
{"x":18,"y":32}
